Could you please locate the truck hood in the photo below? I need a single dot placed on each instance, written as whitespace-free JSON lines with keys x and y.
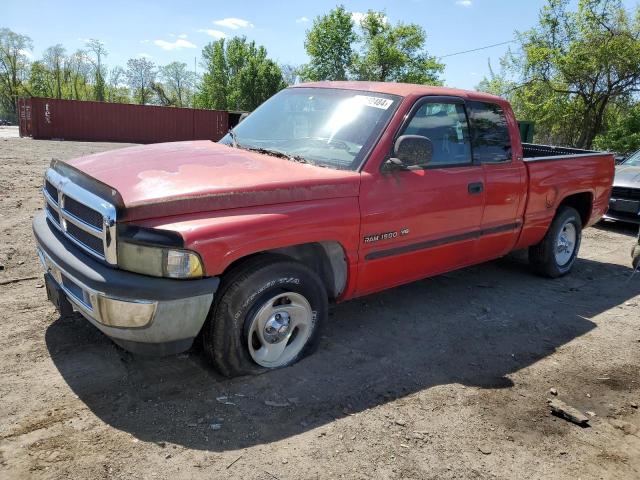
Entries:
{"x":188,"y":177}
{"x":627,"y":176}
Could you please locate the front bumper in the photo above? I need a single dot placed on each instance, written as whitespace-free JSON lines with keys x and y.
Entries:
{"x":142,"y":314}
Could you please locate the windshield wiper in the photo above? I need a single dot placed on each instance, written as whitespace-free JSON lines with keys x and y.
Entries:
{"x":278,"y":153}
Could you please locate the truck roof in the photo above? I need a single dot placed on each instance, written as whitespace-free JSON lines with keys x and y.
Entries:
{"x":403,"y":89}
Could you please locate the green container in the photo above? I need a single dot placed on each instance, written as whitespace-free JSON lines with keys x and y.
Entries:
{"x":526,"y":131}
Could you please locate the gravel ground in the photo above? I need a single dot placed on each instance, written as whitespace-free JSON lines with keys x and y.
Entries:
{"x":443,"y":378}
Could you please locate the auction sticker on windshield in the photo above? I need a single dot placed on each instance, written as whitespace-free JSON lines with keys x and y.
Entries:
{"x":377,"y":102}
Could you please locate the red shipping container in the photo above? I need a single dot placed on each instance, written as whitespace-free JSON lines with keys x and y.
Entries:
{"x":47,"y":118}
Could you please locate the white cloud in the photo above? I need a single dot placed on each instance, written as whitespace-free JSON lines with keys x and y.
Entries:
{"x":144,"y":55}
{"x":144,"y":42}
{"x":302,"y":20}
{"x":26,"y":53}
{"x":213,"y":33}
{"x":464,"y":3}
{"x":182,"y":35}
{"x":177,"y":45}
{"x":233,"y":23}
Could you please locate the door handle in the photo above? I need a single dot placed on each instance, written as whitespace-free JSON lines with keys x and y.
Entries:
{"x":475,"y":188}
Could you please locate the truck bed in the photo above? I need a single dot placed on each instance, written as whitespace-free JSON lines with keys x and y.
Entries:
{"x":558,"y":173}
{"x":536,"y":152}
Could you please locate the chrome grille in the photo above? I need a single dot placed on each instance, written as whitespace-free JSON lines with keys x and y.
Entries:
{"x":85,"y":218}
{"x":82,"y":212}
{"x":51,"y":190}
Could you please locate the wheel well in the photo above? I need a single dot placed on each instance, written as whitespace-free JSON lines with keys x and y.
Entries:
{"x":327,"y":259}
{"x":582,"y":203}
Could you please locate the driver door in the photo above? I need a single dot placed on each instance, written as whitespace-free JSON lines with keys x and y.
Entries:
{"x":423,"y":220}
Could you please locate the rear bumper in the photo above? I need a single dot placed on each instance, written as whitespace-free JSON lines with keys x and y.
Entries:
{"x":142,"y":314}
{"x":613,"y":213}
{"x":622,"y":217}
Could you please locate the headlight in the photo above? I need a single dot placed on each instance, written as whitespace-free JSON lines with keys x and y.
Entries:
{"x":159,"y":261}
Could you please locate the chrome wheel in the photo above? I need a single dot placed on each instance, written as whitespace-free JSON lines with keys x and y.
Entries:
{"x":280,"y":329}
{"x":566,"y":243}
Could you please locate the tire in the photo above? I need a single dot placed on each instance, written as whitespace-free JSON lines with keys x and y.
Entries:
{"x":545,"y":257}
{"x":244,"y":322}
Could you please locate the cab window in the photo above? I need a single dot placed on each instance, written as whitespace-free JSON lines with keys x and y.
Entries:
{"x":445,"y":124}
{"x":489,"y":133}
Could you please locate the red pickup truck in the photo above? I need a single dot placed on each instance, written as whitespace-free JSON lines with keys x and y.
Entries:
{"x":326,"y":192}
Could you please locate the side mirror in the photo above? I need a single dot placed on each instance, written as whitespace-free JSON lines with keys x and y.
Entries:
{"x":411,"y":151}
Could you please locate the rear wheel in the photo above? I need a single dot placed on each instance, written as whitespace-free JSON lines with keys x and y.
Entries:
{"x":557,"y":252}
{"x":268,"y":315}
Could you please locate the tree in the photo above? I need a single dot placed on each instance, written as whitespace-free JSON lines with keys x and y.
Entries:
{"x":574,"y":66}
{"x":290,"y":74}
{"x":39,"y":84}
{"x":329,"y":45}
{"x":372,"y":50}
{"x":623,"y":132}
{"x":140,"y":74}
{"x":394,"y":53}
{"x":117,"y":91}
{"x":54,"y":58}
{"x":78,"y":69}
{"x":239,"y":75}
{"x":14,"y":67}
{"x":178,"y":83}
{"x":97,"y":48}
{"x":215,"y":81}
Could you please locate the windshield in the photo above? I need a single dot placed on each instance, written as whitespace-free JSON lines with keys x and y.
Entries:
{"x":326,"y":127}
{"x":633,"y":160}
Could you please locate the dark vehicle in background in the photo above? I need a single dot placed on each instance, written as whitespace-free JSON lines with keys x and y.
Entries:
{"x":624,"y":204}
{"x":4,"y":122}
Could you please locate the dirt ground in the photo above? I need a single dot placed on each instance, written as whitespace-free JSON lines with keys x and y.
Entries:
{"x":444,"y":378}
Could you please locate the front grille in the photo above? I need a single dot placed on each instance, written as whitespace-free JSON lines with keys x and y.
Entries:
{"x":91,"y":241}
{"x":86,"y":218}
{"x":84,"y":213}
{"x":51,"y":190}
{"x":625,"y":193}
{"x":54,"y":214}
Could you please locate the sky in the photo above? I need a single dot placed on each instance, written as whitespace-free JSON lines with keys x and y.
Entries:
{"x":165,"y":31}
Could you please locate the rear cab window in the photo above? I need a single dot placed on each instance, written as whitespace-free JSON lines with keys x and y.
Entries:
{"x":490,"y":138}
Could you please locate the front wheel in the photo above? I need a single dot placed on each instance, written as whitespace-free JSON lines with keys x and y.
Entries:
{"x":557,"y":252}
{"x":268,"y":315}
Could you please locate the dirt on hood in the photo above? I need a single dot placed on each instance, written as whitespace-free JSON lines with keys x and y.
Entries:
{"x":189,"y":177}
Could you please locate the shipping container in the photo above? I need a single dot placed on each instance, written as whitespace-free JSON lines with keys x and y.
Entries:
{"x":47,"y":118}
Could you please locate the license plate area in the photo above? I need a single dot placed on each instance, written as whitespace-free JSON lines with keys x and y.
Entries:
{"x":56,"y":295}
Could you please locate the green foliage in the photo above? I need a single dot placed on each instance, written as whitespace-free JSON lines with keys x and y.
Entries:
{"x":238,"y":76}
{"x":14,"y":69}
{"x":141,"y":74}
{"x":372,"y":50}
{"x":329,"y":45}
{"x":394,"y":53}
{"x":574,"y":70}
{"x":40,"y":82}
{"x":623,"y":132}
{"x":179,"y":83}
{"x":98,"y":51}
